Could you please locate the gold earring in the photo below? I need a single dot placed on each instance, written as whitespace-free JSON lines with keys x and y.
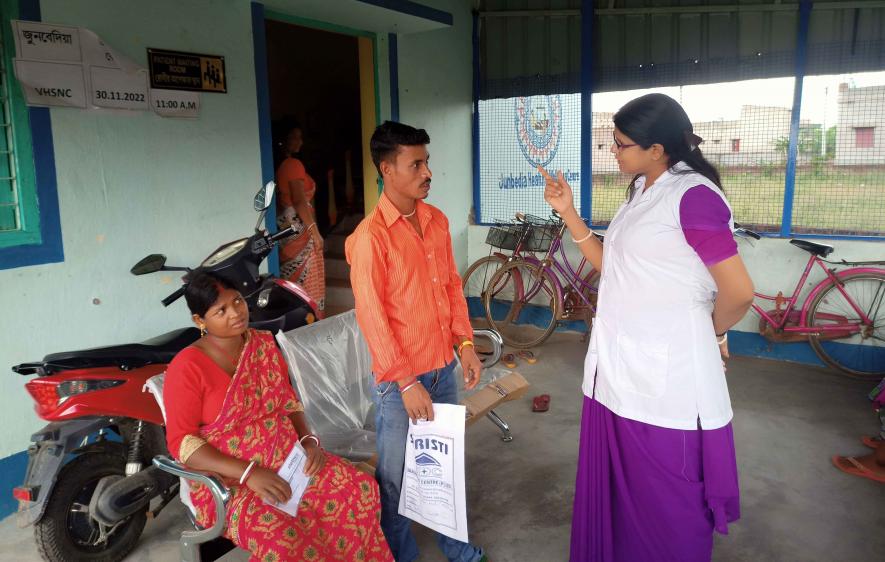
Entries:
{"x":203,"y":331}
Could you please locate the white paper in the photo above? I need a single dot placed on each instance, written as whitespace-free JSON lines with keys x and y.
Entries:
{"x":116,"y":89}
{"x":433,"y":490}
{"x":175,"y":103}
{"x":292,"y":472}
{"x":46,"y":41}
{"x":52,"y":83}
{"x":97,"y":52}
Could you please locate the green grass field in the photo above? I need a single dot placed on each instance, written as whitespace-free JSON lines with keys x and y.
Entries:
{"x":826,"y":201}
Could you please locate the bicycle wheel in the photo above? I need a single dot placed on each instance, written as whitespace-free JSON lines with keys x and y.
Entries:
{"x":861,"y":354}
{"x":474,"y":283}
{"x":522,"y":304}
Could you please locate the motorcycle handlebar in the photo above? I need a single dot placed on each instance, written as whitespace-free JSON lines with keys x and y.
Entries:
{"x":174,"y":296}
{"x":285,"y":233}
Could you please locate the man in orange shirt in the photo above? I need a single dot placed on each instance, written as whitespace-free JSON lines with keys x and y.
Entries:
{"x":412,"y":312}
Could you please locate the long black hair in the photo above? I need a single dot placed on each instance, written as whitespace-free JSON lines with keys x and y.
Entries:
{"x":659,"y":119}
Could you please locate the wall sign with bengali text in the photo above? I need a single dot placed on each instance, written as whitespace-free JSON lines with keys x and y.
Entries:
{"x":65,"y":66}
{"x":175,"y":70}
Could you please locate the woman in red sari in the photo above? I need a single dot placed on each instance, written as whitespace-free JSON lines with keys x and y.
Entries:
{"x":301,"y":257}
{"x":231,"y":410}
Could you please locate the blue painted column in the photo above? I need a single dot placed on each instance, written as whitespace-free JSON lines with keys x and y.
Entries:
{"x":793,"y":150}
{"x":265,"y":138}
{"x":477,"y":203}
{"x":586,"y":185}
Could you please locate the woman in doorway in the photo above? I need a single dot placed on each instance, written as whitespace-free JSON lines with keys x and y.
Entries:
{"x":301,"y":257}
{"x":656,"y":470}
{"x":231,"y":410}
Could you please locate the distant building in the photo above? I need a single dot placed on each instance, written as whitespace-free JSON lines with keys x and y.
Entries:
{"x":754,"y":139}
{"x":860,"y":131}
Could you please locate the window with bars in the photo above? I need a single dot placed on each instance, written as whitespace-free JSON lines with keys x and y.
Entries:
{"x":19,"y":215}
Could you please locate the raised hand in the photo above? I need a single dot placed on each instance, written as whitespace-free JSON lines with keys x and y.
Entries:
{"x":557,"y":191}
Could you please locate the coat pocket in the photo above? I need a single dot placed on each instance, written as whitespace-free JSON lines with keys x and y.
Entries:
{"x":642,"y":366}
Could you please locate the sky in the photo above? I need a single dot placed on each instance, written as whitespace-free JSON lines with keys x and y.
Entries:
{"x":710,"y":102}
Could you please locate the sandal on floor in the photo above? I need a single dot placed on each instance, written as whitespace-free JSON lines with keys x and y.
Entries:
{"x":509,"y":360}
{"x":541,"y":403}
{"x":854,"y":468}
{"x":871,"y":442}
{"x":527,"y":356}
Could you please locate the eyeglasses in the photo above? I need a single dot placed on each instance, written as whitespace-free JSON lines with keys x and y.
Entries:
{"x":619,"y":145}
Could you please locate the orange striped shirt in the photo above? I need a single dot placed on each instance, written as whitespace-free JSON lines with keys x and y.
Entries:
{"x":409,"y":302}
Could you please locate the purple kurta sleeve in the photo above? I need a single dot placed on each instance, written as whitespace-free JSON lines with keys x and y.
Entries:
{"x":704,"y":217}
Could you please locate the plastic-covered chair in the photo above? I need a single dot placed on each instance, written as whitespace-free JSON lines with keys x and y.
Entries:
{"x":330,"y":366}
{"x":199,"y":545}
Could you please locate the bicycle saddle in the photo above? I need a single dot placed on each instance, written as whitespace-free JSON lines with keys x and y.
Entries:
{"x":821,"y":250}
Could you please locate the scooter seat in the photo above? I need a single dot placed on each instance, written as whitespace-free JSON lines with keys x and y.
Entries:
{"x":160,"y":349}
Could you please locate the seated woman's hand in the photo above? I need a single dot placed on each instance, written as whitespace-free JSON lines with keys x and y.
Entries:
{"x":269,"y":486}
{"x":316,"y":459}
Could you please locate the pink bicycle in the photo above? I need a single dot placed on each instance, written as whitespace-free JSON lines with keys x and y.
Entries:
{"x":843,"y":317}
{"x":528,"y":296}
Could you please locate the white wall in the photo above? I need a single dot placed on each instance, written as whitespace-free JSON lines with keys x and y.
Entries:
{"x":130,"y":184}
{"x":436,"y":85}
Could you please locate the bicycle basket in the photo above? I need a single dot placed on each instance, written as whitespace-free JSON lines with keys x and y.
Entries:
{"x":541,"y":234}
{"x":505,"y":236}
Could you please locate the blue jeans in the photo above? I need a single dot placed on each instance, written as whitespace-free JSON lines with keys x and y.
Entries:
{"x":392,"y":424}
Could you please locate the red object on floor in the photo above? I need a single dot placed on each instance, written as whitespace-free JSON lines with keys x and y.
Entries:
{"x":854,"y":468}
{"x":541,"y":403}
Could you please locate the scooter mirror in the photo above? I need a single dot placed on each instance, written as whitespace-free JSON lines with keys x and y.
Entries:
{"x":150,"y":264}
{"x":264,"y":196}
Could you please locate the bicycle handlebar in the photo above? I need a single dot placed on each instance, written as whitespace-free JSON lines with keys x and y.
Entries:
{"x":746,"y":232}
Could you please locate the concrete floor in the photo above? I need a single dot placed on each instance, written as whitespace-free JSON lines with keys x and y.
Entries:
{"x":788,"y":421}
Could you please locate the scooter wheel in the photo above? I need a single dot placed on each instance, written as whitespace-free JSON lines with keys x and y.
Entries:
{"x":67,"y":532}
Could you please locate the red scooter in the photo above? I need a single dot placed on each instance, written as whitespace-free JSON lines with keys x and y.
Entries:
{"x":90,"y":484}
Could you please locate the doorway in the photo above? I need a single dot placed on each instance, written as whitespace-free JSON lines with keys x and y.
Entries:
{"x":314,"y":82}
{"x":323,"y":79}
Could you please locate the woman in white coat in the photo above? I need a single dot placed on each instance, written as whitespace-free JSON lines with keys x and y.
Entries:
{"x":656,"y":470}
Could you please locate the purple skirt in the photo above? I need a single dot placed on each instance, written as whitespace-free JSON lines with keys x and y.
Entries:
{"x":650,"y":493}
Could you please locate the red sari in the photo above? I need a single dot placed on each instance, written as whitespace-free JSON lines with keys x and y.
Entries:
{"x":339,"y":514}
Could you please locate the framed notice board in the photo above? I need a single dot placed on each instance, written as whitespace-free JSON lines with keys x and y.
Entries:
{"x":176,"y":70}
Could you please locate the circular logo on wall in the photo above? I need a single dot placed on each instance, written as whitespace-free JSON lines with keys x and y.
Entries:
{"x":538,"y":127}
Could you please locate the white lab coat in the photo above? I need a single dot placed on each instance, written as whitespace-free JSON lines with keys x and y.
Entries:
{"x":653,"y":355}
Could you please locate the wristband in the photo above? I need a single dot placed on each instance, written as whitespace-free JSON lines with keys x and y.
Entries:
{"x":584,"y":239}
{"x":721,"y":339}
{"x":408,"y":386}
{"x":465,"y":343}
{"x":310,"y":436}
{"x":247,"y":472}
